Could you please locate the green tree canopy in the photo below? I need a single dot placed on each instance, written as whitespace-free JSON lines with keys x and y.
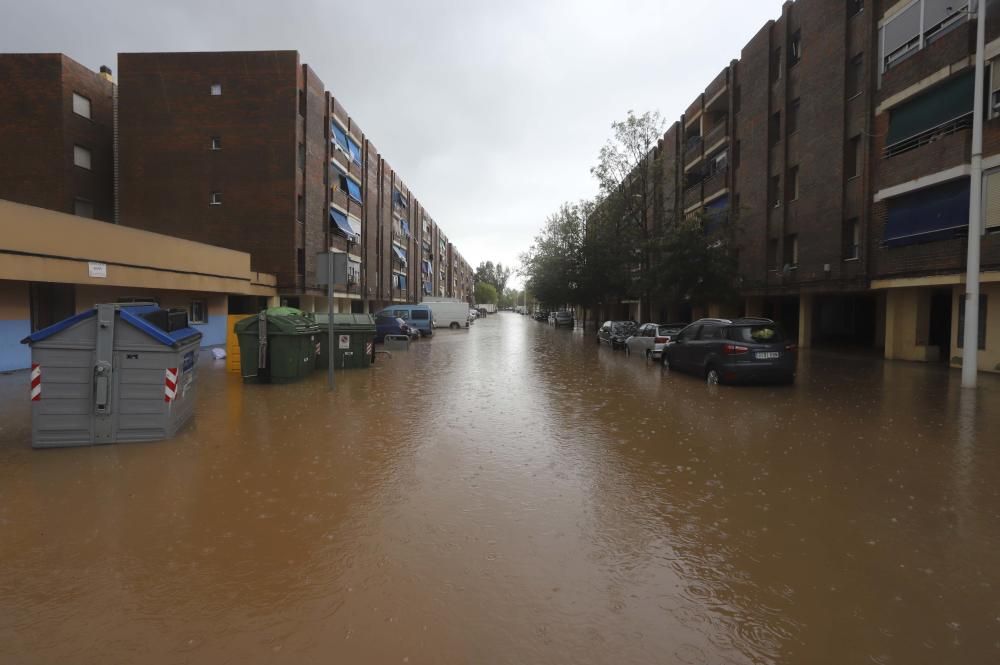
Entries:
{"x":486,"y":294}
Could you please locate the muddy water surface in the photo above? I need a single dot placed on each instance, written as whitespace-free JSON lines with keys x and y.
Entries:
{"x":514,"y":494}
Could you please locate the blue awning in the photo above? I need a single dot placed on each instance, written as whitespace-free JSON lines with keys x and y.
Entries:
{"x":400,"y":254}
{"x":403,"y":224}
{"x":428,"y":288}
{"x":426,"y":267}
{"x":355,"y":151}
{"x":398,"y":198}
{"x":402,"y":281}
{"x":340,"y":220}
{"x":340,"y":136}
{"x":354,"y":190}
{"x":929,"y":214}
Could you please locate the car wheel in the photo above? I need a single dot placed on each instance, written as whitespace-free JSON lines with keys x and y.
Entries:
{"x":712,"y":377}
{"x":453,"y":326}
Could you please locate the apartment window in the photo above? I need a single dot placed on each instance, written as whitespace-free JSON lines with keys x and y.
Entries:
{"x":793,"y":183}
{"x":918,"y":24}
{"x":774,"y":191}
{"x":198,"y":312}
{"x":942,"y":110}
{"x":792,"y":250}
{"x":852,"y":239}
{"x":851,"y":157}
{"x":776,"y":65}
{"x":81,"y":157}
{"x":302,"y":156}
{"x":772,"y":253}
{"x":83,"y":208}
{"x":793,"y":116}
{"x":982,"y":322}
{"x":795,"y":49}
{"x":775,"y":128}
{"x":991,"y":194}
{"x":855,"y":75}
{"x":301,"y":209}
{"x":855,"y":7}
{"x":216,"y":89}
{"x":81,"y":105}
{"x":216,"y":143}
{"x":300,"y":260}
{"x":215,"y":199}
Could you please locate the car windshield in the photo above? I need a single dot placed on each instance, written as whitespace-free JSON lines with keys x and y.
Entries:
{"x":766,"y":333}
{"x":663,"y":331}
{"x":624,"y":327}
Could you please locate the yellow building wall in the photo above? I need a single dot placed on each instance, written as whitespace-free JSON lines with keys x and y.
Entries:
{"x":988,"y":359}
{"x":907,"y":313}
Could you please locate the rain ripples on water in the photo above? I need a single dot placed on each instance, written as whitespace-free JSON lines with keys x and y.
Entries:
{"x":515,"y":494}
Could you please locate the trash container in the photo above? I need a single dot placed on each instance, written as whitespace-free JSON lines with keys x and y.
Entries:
{"x":111,"y":374}
{"x":279,"y":345}
{"x":353,"y":339}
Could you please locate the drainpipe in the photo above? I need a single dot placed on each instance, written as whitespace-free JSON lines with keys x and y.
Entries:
{"x":970,"y":340}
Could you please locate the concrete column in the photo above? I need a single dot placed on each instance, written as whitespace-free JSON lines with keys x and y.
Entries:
{"x":892,"y":305}
{"x":805,"y":321}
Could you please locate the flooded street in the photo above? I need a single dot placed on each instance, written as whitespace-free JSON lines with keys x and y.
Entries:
{"x":516,"y":494}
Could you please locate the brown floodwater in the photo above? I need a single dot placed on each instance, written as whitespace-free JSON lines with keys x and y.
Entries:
{"x":515,"y":494}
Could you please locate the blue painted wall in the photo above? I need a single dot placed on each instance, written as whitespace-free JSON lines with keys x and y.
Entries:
{"x":13,"y":354}
{"x":214,"y":332}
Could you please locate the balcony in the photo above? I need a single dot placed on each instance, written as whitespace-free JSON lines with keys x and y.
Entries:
{"x":692,"y":194}
{"x":692,"y":151}
{"x":717,"y":85}
{"x":715,"y":182}
{"x":716,"y":134}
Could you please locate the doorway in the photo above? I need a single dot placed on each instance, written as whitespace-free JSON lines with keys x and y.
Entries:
{"x":939,"y":329}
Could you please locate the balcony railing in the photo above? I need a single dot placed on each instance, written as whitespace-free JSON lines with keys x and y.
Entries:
{"x":692,"y":194}
{"x":929,"y":136}
{"x":717,"y":85}
{"x":715,"y":182}
{"x":692,"y":151}
{"x":716,"y":134}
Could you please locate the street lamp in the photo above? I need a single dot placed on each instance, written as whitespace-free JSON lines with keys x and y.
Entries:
{"x":970,"y":338}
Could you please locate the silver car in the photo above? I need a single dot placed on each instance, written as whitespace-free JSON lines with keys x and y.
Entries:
{"x":649,"y":340}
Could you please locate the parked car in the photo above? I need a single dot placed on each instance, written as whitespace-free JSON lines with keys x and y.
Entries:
{"x":541,"y":315}
{"x":733,"y":351}
{"x":390,"y":325}
{"x":563,"y":318}
{"x":552,"y":317}
{"x":664,"y":333}
{"x":643,"y":341}
{"x":615,"y":333}
{"x":416,"y":316}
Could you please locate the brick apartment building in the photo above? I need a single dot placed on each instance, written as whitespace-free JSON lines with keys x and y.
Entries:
{"x":249,"y":150}
{"x":839,"y":145}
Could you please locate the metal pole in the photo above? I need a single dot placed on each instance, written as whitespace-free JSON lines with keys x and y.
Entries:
{"x":329,"y":320}
{"x":970,"y":339}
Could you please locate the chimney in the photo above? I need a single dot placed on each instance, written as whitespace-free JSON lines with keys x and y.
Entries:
{"x":106,"y":73}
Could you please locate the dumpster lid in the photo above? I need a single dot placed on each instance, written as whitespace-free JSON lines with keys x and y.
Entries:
{"x":131,"y":314}
{"x":359,"y":322}
{"x":280,"y":321}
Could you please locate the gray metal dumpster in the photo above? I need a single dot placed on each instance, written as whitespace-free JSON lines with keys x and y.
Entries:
{"x":112,"y":374}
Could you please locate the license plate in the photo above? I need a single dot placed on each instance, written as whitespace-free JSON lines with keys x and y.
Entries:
{"x":767,"y":355}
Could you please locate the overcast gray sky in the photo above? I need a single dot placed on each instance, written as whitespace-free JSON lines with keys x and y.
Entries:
{"x":492,"y":112}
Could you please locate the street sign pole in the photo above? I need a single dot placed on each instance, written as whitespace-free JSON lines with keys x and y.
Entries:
{"x":329,"y":323}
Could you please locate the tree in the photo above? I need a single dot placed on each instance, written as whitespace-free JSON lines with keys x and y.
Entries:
{"x":554,"y":263}
{"x":486,"y":294}
{"x":497,"y":275}
{"x":695,"y":260}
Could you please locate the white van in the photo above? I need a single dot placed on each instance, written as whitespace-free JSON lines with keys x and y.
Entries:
{"x":449,"y":312}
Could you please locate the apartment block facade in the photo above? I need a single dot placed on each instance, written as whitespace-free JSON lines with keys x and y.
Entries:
{"x":249,"y":150}
{"x":838,"y":145}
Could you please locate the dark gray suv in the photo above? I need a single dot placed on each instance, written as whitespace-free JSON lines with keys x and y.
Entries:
{"x":733,"y":351}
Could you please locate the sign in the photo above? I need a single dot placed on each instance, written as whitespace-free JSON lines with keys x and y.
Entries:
{"x":99,"y":270}
{"x":344,"y":342}
{"x":323,"y":267}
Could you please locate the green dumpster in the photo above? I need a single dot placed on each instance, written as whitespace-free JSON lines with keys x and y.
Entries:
{"x":353,"y":340}
{"x":289,"y":350}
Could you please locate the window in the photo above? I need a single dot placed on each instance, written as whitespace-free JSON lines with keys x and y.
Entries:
{"x":81,"y":157}
{"x":982,"y":322}
{"x":300,"y":210}
{"x":215,"y":199}
{"x":710,"y":332}
{"x":302,"y":156}
{"x":339,"y":138}
{"x":991,"y":195}
{"x":918,"y":24}
{"x":855,"y":7}
{"x":856,"y":75}
{"x":776,"y":65}
{"x":793,"y":116}
{"x":300,"y":260}
{"x":795,"y":49}
{"x":83,"y":208}
{"x":939,"y":212}
{"x":852,"y":239}
{"x":793,"y":183}
{"x":198,"y":312}
{"x":81,"y":105}
{"x":774,"y":191}
{"x":792,"y":250}
{"x":216,"y":89}
{"x":355,"y":150}
{"x":775,"y":128}
{"x":851,"y":154}
{"x":215,"y":143}
{"x":945,"y":109}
